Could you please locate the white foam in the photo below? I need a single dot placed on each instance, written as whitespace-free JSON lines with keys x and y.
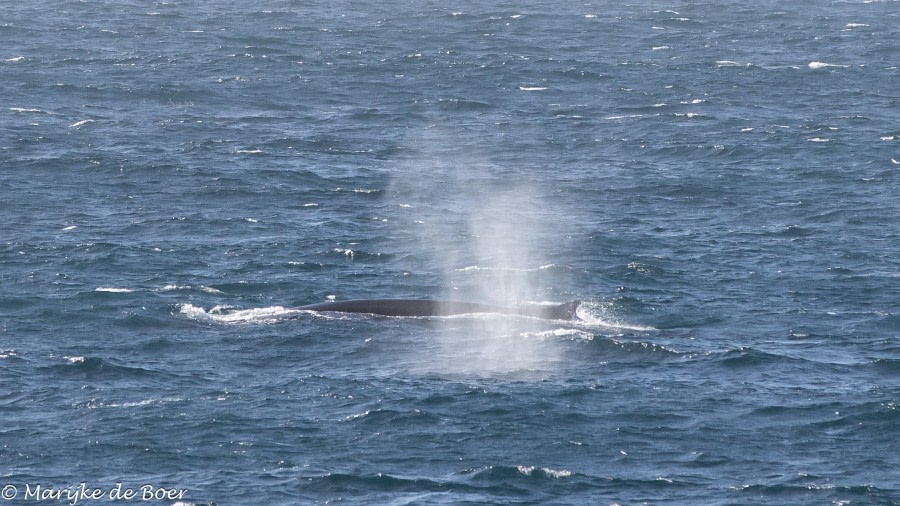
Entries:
{"x":532,"y":88}
{"x":79,"y":124}
{"x":730,"y":63}
{"x":571,"y":334}
{"x":94,"y":404}
{"x":25,"y":109}
{"x":112,"y":290}
{"x":600,"y":315}
{"x":553,"y":473}
{"x":625,"y":116}
{"x":206,"y":289}
{"x":15,"y":59}
{"x":223,"y":314}
{"x":816,"y":65}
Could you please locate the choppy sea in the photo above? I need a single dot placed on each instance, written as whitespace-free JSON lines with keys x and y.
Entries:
{"x":718,"y":181}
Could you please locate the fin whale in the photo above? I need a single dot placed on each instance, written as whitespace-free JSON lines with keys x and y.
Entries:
{"x":425,"y":307}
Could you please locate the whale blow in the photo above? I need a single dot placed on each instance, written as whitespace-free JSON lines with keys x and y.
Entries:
{"x":425,"y":307}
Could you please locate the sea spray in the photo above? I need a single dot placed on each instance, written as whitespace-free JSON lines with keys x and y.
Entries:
{"x":485,"y":238}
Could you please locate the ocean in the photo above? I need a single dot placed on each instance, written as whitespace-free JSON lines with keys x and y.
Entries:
{"x":717,"y":181}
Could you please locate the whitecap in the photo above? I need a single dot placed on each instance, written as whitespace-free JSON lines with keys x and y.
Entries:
{"x":15,"y":59}
{"x":659,"y":48}
{"x":70,"y":227}
{"x":79,"y":124}
{"x":553,"y":473}
{"x":109,"y":289}
{"x":25,"y":109}
{"x":74,"y":359}
{"x":532,"y":88}
{"x":816,"y":65}
{"x":205,"y":289}
{"x":818,"y":139}
{"x":730,"y":63}
{"x":95,"y":404}
{"x":358,"y":415}
{"x":7,"y":354}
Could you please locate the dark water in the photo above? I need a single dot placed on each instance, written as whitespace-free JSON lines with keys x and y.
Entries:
{"x":719,"y":181}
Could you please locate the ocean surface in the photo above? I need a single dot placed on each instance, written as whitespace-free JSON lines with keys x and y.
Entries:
{"x":718,"y":181}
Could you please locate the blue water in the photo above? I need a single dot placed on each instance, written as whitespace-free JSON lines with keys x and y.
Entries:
{"x":719,"y":181}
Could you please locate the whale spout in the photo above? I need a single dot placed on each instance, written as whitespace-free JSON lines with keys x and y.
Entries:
{"x":427,"y":307}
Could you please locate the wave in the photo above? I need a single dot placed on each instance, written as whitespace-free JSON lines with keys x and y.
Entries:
{"x":519,"y":472}
{"x":166,"y":288}
{"x":803,"y":487}
{"x":205,"y":289}
{"x":85,"y":366}
{"x":109,"y":289}
{"x":99,"y":404}
{"x":817,"y":65}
